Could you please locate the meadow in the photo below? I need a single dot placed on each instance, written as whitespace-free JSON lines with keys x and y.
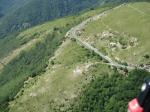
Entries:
{"x":129,"y":22}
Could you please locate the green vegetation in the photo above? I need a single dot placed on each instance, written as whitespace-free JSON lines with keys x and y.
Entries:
{"x":25,"y":65}
{"x":18,"y":15}
{"x":123,"y":32}
{"x":16,"y":40}
{"x":55,"y":74}
{"x":110,"y":93}
{"x":32,"y":61}
{"x":62,"y":82}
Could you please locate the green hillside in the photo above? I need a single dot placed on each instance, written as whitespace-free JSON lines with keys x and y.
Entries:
{"x":122,"y":34}
{"x":43,"y":70}
{"x":29,"y":51}
{"x":8,"y":6}
{"x":16,"y":15}
{"x":61,"y":83}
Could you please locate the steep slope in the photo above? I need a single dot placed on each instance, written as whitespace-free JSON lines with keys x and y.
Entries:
{"x":62,"y":82}
{"x":72,"y":78}
{"x":8,"y":6}
{"x":21,"y":14}
{"x":79,"y":80}
{"x":29,"y":52}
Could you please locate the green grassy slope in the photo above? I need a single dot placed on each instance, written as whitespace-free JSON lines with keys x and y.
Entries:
{"x":123,"y":34}
{"x":77,"y":80}
{"x":33,"y":60}
{"x":55,"y":74}
{"x":63,"y":88}
{"x":62,"y":82}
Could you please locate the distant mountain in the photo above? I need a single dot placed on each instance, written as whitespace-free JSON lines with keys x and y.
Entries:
{"x":8,"y":6}
{"x":21,"y":14}
{"x":16,"y":15}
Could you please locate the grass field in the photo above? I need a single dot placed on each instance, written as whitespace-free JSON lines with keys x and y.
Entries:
{"x":61,"y":83}
{"x":128,"y":23}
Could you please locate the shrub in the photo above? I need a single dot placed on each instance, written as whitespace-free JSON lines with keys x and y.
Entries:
{"x":146,"y":56}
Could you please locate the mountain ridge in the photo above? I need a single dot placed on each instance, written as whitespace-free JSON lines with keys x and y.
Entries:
{"x":17,"y":15}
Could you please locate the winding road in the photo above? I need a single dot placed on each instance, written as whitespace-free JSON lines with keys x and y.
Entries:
{"x":73,"y":34}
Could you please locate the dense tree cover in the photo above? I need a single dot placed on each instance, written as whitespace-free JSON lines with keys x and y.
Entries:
{"x":11,"y":5}
{"x":1,"y":14}
{"x":25,"y":13}
{"x":124,"y":1}
{"x":22,"y":14}
{"x":110,"y":93}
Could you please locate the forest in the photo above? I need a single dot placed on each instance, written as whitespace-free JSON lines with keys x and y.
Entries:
{"x":110,"y":92}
